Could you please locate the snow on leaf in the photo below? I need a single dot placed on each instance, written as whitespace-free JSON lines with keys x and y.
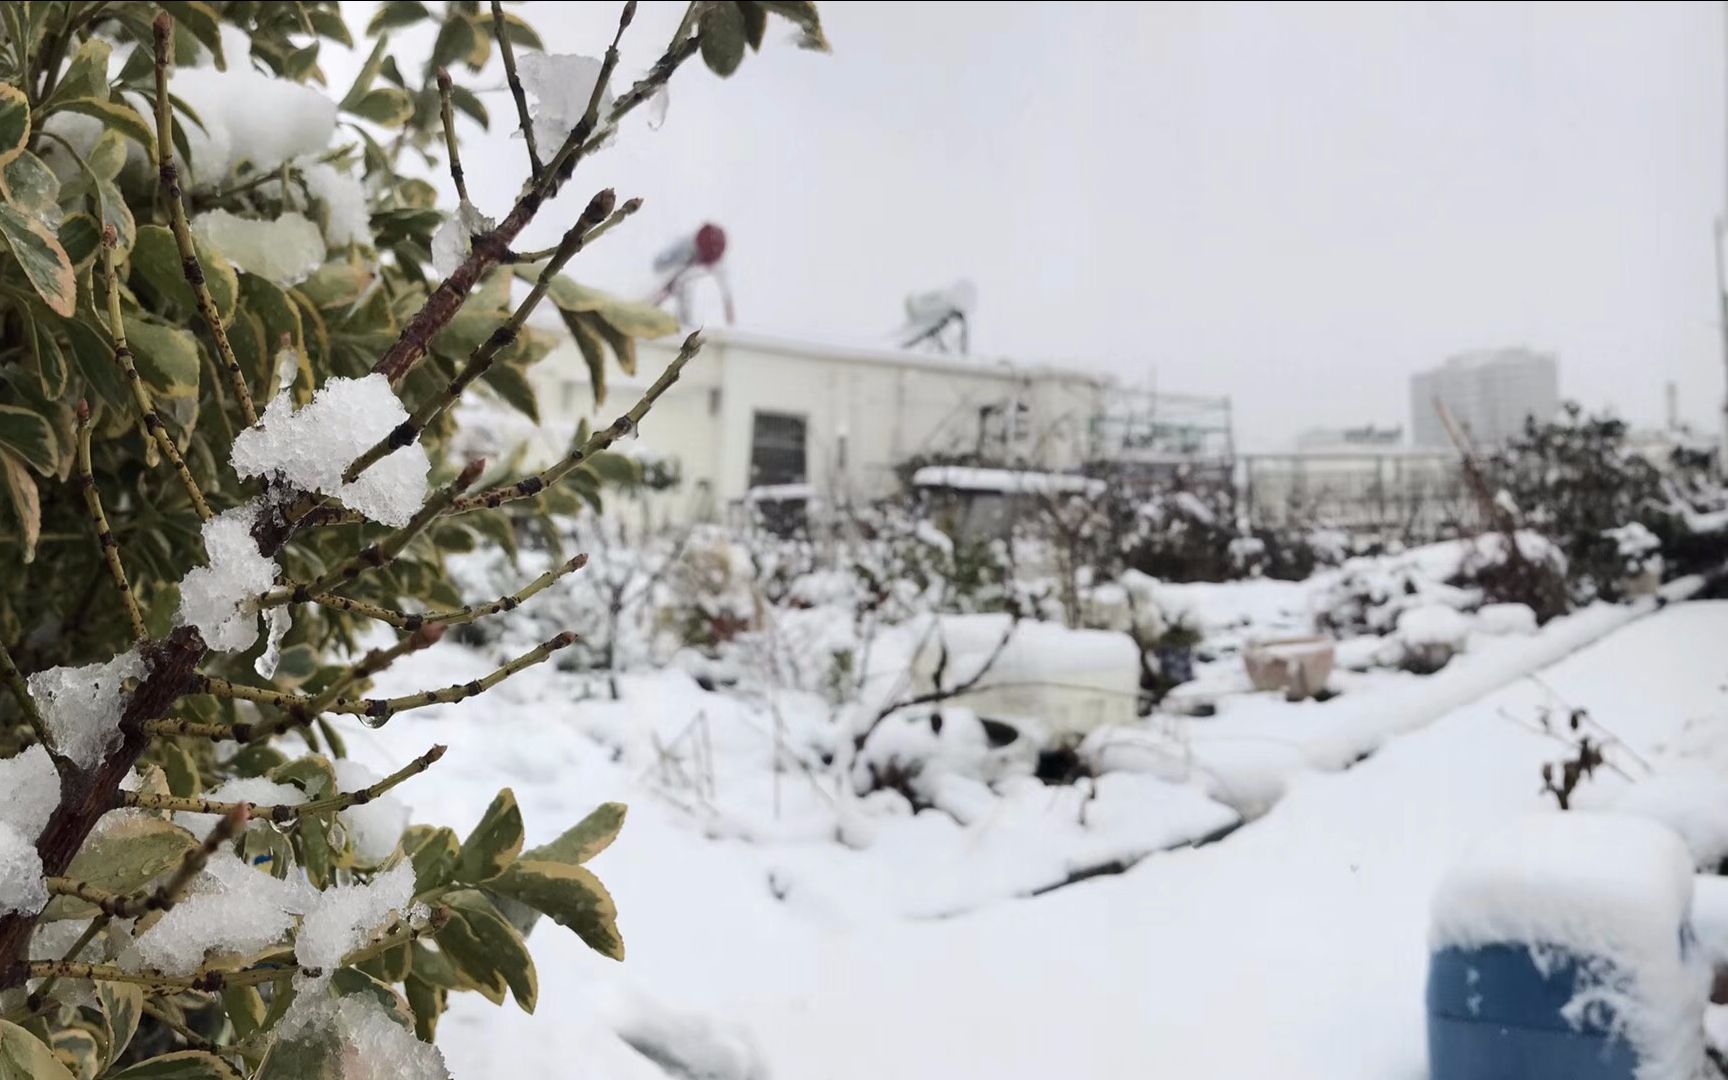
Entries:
{"x":285,"y":250}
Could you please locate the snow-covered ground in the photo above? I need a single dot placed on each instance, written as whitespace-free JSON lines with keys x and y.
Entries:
{"x":760,"y":944}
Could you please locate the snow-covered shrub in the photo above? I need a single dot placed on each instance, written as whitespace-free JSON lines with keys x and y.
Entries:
{"x":235,"y":376}
{"x":1575,"y":481}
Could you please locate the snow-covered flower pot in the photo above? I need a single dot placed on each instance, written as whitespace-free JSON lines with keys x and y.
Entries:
{"x":1562,"y":948}
{"x":1297,"y":666}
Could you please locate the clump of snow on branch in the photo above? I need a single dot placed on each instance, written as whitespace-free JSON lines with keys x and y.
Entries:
{"x":561,"y":84}
{"x":374,"y":826}
{"x":286,"y":250}
{"x":455,"y":238}
{"x":309,"y":448}
{"x":347,"y":916}
{"x":220,"y":598}
{"x":81,"y":706}
{"x":31,"y":788}
{"x":241,"y":789}
{"x":21,"y":887}
{"x":231,"y":908}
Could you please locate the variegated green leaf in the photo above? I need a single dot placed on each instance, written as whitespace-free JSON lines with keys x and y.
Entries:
{"x":41,"y":257}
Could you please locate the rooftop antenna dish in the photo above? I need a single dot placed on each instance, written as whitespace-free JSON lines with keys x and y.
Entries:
{"x":937,"y":319}
{"x":689,"y":260}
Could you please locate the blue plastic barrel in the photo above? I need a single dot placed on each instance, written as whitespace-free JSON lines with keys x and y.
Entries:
{"x":1494,"y":1015}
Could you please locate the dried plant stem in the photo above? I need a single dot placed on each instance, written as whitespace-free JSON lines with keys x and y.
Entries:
{"x":448,"y":115}
{"x":598,"y":217}
{"x":105,"y":536}
{"x":168,"y":174}
{"x":283,"y":813}
{"x":141,"y":393}
{"x":523,"y":120}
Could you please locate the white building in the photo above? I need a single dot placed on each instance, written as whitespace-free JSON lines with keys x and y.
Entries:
{"x":1489,"y":393}
{"x":756,"y":417}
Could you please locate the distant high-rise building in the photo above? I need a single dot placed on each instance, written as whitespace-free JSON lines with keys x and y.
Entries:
{"x":1489,"y":393}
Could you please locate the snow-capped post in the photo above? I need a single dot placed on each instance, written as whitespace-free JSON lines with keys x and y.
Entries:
{"x":261,"y":885}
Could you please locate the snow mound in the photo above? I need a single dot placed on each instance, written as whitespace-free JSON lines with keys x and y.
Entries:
{"x":1505,"y":619}
{"x":81,"y":706}
{"x":310,"y":448}
{"x":220,"y":599}
{"x":1611,"y":890}
{"x":1433,"y":624}
{"x":347,"y":219}
{"x":1692,"y":801}
{"x":690,"y":1046}
{"x":376,"y":1047}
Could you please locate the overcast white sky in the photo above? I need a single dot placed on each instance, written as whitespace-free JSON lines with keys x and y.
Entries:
{"x":1297,"y":205}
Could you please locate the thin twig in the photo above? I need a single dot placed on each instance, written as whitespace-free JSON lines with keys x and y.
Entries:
{"x":282,"y":813}
{"x":153,"y":426}
{"x":523,"y":120}
{"x":104,"y":535}
{"x":448,"y":115}
{"x":14,"y":680}
{"x":382,"y":551}
{"x":417,"y":620}
{"x":296,"y":708}
{"x":530,"y":486}
{"x":169,"y":175}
